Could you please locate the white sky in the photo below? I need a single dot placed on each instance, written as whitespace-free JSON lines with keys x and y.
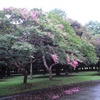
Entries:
{"x":80,"y":10}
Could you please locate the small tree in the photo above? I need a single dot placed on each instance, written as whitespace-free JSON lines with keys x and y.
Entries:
{"x":25,"y":49}
{"x":93,"y":26}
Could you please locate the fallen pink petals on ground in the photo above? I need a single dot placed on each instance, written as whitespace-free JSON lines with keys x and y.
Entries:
{"x":55,"y":97}
{"x":68,"y":92}
{"x":72,"y":90}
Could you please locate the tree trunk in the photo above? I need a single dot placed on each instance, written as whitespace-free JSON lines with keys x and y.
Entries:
{"x":8,"y":71}
{"x":0,"y":73}
{"x":48,"y":69}
{"x":58,"y":70}
{"x":31,"y":72}
{"x":50,"y":74}
{"x":3,"y":71}
{"x":76,"y":69}
{"x":25,"y":76}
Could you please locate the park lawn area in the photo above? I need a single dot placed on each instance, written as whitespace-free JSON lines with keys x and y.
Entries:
{"x":14,"y":85}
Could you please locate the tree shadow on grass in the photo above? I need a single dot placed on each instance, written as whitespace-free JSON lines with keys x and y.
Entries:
{"x":62,"y":75}
{"x":98,"y":74}
{"x":3,"y":80}
{"x":68,"y":75}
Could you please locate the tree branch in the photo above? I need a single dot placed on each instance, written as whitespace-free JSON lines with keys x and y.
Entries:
{"x":44,"y":61}
{"x":53,"y":65}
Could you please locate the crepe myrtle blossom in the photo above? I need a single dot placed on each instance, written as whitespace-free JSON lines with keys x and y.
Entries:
{"x":11,"y":8}
{"x":55,"y":58}
{"x":24,"y":12}
{"x":8,"y":9}
{"x":34,"y":15}
{"x":73,"y":62}
{"x":61,"y":27}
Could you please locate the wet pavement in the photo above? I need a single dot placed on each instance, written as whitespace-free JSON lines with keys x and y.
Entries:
{"x":88,"y":93}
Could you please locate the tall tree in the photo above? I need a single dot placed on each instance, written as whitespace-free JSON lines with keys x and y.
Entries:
{"x":94,"y":27}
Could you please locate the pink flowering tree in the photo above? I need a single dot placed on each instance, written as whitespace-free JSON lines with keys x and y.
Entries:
{"x":15,"y":28}
{"x":47,"y":33}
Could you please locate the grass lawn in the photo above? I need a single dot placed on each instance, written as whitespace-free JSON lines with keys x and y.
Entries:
{"x":13,"y":85}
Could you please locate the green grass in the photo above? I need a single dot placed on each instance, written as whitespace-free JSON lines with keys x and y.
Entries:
{"x":13,"y":85}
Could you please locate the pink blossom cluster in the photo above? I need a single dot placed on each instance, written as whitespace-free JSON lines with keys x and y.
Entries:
{"x":73,"y":63}
{"x":35,"y":15}
{"x":61,"y":27}
{"x":11,"y":8}
{"x":8,"y":9}
{"x":24,"y":12}
{"x":32,"y":14}
{"x":55,"y":58}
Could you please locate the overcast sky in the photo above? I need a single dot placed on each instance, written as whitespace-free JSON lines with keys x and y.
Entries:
{"x":80,"y":10}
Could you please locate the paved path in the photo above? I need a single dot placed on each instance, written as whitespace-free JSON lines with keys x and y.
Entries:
{"x":89,"y":93}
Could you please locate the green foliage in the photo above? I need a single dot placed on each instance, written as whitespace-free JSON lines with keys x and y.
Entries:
{"x":24,"y":46}
{"x":89,"y":53}
{"x":96,"y":42}
{"x":60,"y":12}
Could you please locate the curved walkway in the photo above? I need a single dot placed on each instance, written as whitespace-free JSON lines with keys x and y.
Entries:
{"x":89,"y":93}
